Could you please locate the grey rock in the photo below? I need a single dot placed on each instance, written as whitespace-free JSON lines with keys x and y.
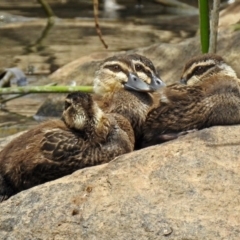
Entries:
{"x":52,"y":107}
{"x":184,"y":189}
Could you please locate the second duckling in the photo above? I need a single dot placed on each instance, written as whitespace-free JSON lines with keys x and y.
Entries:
{"x":211,"y":97}
{"x":85,"y":137}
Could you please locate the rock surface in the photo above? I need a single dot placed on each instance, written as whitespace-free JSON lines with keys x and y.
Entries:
{"x":183,"y":189}
{"x":169,"y":58}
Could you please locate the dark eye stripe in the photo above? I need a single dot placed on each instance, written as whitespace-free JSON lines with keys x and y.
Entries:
{"x":114,"y":67}
{"x":198,"y":71}
{"x":141,"y":68}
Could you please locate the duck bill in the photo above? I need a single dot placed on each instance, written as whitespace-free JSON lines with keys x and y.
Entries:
{"x":183,"y":81}
{"x":156,"y":83}
{"x":134,"y":83}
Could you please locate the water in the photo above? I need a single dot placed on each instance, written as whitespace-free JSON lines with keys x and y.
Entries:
{"x":74,"y":35}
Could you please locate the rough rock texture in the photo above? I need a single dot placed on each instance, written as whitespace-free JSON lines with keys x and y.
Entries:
{"x":81,"y":70}
{"x":230,"y":15}
{"x":184,"y":189}
{"x":169,"y":58}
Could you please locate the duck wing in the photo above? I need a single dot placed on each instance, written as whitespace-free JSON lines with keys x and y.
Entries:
{"x":58,"y":145}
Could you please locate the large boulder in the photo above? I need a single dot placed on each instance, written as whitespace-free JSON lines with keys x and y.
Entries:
{"x":184,"y":189}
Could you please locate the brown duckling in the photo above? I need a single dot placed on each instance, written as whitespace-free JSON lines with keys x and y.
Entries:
{"x":85,"y":136}
{"x":116,"y":84}
{"x":211,"y":97}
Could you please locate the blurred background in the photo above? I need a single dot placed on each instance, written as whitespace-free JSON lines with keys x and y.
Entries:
{"x":125,"y":25}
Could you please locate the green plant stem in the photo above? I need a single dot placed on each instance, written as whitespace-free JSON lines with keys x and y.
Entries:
{"x":204,"y":24}
{"x":50,"y":23}
{"x":45,"y":89}
{"x":2,"y":101}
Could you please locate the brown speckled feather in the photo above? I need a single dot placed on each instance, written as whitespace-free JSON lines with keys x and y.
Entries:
{"x":87,"y":136}
{"x":52,"y":150}
{"x":210,"y":96}
{"x":134,"y":106}
{"x":214,"y":102}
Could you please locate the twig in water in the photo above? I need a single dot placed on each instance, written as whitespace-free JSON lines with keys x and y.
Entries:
{"x":95,"y":12}
{"x":50,"y":23}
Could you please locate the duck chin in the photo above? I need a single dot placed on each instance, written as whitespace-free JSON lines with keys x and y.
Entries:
{"x":103,"y":89}
{"x":74,"y":120}
{"x":79,"y":122}
{"x":100,"y":88}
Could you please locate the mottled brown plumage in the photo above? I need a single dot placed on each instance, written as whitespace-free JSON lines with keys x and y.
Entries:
{"x":110,"y":86}
{"x":211,"y":97}
{"x":134,"y":106}
{"x":85,"y":137}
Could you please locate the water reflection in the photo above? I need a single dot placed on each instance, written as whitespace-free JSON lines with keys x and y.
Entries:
{"x":110,"y":9}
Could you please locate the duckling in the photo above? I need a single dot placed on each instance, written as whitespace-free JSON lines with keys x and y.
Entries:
{"x":120,"y":90}
{"x":199,"y":69}
{"x":211,"y":97}
{"x":85,"y":136}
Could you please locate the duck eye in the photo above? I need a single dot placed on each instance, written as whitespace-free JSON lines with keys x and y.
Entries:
{"x":115,"y":68}
{"x":138,"y":67}
{"x":199,"y":70}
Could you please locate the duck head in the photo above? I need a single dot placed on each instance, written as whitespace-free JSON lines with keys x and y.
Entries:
{"x":201,"y":67}
{"x":80,"y":110}
{"x":131,"y":72}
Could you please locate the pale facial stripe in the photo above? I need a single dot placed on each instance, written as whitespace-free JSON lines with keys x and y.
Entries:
{"x":142,"y":74}
{"x":135,"y":62}
{"x":198,"y":64}
{"x":121,"y":64}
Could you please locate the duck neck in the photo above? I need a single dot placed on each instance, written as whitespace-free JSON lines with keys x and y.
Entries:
{"x":132,"y":105}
